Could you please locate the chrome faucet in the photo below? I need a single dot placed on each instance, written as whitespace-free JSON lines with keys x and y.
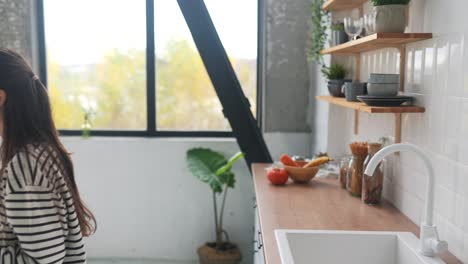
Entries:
{"x":430,"y":242}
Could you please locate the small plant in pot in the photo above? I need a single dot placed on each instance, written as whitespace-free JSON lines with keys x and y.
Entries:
{"x":339,"y":35}
{"x":335,"y":74}
{"x":318,"y":36}
{"x":214,"y":169}
{"x":390,"y":15}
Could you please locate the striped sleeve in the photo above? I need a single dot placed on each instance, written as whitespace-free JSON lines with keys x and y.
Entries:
{"x":37,"y":215}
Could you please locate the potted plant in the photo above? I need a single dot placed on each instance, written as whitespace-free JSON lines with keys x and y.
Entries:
{"x":213,"y":168}
{"x":335,"y":74}
{"x":318,"y":32}
{"x":390,"y":15}
{"x":339,"y":35}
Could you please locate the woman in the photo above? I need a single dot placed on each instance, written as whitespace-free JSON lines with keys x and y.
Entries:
{"x":42,"y":217}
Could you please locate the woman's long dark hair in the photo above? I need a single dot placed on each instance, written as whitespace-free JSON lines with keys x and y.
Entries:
{"x":28,"y":120}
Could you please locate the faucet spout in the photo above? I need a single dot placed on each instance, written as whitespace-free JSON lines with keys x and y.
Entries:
{"x":380,"y":155}
{"x":429,"y":238}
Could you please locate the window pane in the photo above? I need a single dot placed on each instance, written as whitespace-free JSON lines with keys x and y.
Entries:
{"x":96,"y":62}
{"x":185,"y":97}
{"x":239,"y":35}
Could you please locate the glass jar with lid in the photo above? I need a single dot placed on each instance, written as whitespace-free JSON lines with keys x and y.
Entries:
{"x":344,"y":164}
{"x":372,"y":185}
{"x":356,"y":168}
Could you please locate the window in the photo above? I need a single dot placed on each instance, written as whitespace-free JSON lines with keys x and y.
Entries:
{"x":97,"y":65}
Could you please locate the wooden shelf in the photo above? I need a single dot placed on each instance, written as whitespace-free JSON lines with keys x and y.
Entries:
{"x":377,"y":41}
{"x":332,"y":5}
{"x":362,"y":107}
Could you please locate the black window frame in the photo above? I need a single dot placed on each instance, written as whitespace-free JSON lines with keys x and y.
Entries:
{"x":151,"y":128}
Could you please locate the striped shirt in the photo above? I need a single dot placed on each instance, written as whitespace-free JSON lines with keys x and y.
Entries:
{"x":38,"y":223}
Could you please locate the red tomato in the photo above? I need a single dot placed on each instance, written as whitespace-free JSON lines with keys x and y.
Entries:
{"x":277,"y":176}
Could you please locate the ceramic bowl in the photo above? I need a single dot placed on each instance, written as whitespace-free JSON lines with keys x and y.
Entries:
{"x":383,"y":89}
{"x":301,"y":175}
{"x":384,"y":78}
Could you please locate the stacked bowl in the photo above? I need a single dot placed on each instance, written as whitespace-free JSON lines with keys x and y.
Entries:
{"x":381,"y":84}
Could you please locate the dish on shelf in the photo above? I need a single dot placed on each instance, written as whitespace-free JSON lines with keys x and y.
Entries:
{"x":384,"y":100}
{"x":383,"y":89}
{"x":384,"y":78}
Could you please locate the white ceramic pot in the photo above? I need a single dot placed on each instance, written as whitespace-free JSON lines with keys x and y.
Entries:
{"x":390,"y":18}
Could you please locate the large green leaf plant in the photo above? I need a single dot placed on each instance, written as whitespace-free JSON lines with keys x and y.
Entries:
{"x":214,"y":169}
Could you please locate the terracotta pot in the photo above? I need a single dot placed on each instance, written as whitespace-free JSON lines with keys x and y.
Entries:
{"x":207,"y":254}
{"x":390,"y":18}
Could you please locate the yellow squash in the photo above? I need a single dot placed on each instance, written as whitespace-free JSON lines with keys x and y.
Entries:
{"x":317,"y":162}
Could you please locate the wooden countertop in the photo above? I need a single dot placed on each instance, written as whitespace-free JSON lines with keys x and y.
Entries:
{"x":321,"y":205}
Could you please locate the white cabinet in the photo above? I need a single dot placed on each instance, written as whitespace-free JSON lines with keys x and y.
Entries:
{"x":259,"y":257}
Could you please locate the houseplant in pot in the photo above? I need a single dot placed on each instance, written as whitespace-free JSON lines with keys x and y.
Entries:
{"x":336,"y":78}
{"x":339,"y":35}
{"x":318,"y":34}
{"x":390,"y":15}
{"x":214,"y":169}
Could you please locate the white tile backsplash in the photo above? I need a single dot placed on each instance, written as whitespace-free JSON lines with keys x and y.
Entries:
{"x":455,"y":73}
{"x":452,"y":126}
{"x":465,"y":251}
{"x":455,"y":238}
{"x":463,"y":143}
{"x":437,"y":75}
{"x":459,"y":215}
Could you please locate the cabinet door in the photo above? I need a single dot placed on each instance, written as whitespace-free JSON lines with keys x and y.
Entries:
{"x":258,"y":242}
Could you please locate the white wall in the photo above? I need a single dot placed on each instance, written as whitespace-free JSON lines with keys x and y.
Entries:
{"x":147,"y":203}
{"x":289,"y":143}
{"x":437,"y":75}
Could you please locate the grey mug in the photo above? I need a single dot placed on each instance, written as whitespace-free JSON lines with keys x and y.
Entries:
{"x":352,"y":90}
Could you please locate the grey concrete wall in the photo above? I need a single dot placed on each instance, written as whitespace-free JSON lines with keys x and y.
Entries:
{"x":286,"y":87}
{"x":16,"y":20}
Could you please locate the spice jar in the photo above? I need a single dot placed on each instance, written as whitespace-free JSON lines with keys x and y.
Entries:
{"x":344,"y":164}
{"x":356,"y":168}
{"x":372,"y":186}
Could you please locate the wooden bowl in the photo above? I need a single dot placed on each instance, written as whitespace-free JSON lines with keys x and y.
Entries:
{"x":301,"y":175}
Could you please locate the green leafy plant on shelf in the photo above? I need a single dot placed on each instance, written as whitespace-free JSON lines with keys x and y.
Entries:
{"x":214,"y":169}
{"x":334,"y":72}
{"x":390,"y":2}
{"x":318,"y":32}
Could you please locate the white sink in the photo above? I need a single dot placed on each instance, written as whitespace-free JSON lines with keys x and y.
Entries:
{"x":350,"y":247}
